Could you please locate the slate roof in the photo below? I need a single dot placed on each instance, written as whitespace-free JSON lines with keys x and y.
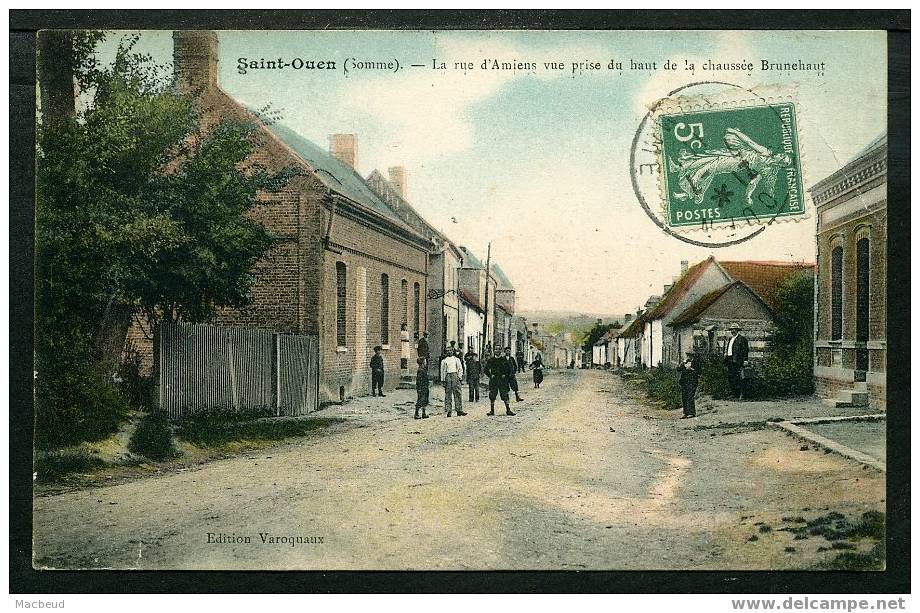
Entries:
{"x":470,"y":260}
{"x":678,"y":290}
{"x":339,"y":176}
{"x":503,"y":281}
{"x":765,"y":278}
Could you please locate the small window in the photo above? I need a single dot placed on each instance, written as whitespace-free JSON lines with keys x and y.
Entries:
{"x":384,"y":309}
{"x":341,"y":295}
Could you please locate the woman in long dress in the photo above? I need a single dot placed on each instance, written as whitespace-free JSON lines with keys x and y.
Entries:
{"x":537,"y":368}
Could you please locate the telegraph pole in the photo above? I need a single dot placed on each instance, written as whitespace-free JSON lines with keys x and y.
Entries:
{"x":485,"y":321}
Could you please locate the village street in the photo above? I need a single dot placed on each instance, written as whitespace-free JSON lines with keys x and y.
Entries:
{"x":586,"y":476}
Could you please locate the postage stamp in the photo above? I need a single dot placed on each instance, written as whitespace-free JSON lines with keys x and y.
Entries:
{"x":728,"y":164}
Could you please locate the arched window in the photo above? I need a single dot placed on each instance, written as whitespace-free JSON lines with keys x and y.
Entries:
{"x":404,"y":287}
{"x":863,"y":274}
{"x":384,"y":309}
{"x":418,"y":307}
{"x":341,"y":295}
{"x":837,"y":293}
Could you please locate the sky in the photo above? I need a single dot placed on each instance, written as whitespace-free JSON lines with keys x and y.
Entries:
{"x":537,"y":162}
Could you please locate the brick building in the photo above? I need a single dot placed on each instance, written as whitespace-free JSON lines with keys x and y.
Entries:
{"x":346,"y":269}
{"x":850,"y":294}
{"x":444,"y":317}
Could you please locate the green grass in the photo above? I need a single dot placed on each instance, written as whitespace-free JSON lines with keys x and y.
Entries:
{"x":215,"y":428}
{"x":54,"y":467}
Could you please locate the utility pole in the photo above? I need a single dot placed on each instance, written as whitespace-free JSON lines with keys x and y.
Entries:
{"x":485,"y":320}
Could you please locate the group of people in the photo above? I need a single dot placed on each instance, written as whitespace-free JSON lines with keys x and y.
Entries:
{"x":501,"y":368}
{"x":735,"y":358}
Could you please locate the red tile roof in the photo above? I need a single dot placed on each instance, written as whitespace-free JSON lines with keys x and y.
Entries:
{"x":678,"y":290}
{"x":471,"y":299}
{"x":765,"y":277}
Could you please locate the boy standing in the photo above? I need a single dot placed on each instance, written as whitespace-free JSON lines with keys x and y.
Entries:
{"x":377,"y":372}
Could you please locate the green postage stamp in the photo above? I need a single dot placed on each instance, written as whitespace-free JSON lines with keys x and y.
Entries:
{"x":730,"y":164}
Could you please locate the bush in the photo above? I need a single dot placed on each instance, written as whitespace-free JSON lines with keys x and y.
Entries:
{"x":138,"y":390}
{"x":55,"y":466}
{"x":153,"y":438}
{"x":215,"y":427}
{"x":661,"y":386}
{"x":75,"y":400}
{"x":714,"y":378}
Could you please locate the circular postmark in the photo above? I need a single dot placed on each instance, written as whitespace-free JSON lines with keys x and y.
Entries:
{"x":723,"y":164}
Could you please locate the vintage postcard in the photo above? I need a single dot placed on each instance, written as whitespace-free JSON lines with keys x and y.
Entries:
{"x":460,"y":300}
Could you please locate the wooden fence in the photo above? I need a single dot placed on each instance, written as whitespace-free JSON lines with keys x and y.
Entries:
{"x":207,"y":367}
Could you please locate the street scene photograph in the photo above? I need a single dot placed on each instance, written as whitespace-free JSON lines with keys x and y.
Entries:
{"x":460,"y":300}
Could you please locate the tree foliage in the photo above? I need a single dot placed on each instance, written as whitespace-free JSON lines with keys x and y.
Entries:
{"x":596,"y":333}
{"x":138,"y":208}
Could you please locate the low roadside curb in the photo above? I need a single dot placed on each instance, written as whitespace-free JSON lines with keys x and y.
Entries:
{"x":795,"y":428}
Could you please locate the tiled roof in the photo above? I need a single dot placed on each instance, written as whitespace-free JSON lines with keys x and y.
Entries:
{"x":471,"y":299}
{"x":679,"y":290}
{"x":765,"y":278}
{"x":693,"y":312}
{"x":634,"y":327}
{"x":339,"y":176}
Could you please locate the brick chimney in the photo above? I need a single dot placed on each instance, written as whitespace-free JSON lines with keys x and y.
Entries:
{"x":684,"y":265}
{"x":195,"y":59}
{"x":399,"y":178}
{"x":345,"y":148}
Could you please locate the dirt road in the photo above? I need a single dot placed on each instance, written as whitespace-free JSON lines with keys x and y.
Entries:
{"x":585,"y":477}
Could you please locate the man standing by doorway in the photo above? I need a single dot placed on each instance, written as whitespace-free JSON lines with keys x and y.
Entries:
{"x":736,"y":357}
{"x":451,"y":376}
{"x":473,"y":372}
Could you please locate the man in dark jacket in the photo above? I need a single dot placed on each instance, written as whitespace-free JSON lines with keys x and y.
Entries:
{"x":498,"y":370}
{"x":377,"y":372}
{"x":473,"y":374}
{"x":422,"y":348}
{"x":736,"y":357}
{"x":689,"y":378}
{"x":512,"y":375}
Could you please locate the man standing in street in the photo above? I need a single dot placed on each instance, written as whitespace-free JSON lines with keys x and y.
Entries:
{"x":473,"y":372}
{"x":422,"y":348}
{"x":688,"y":379}
{"x":736,"y":356}
{"x":512,"y":375}
{"x":451,"y":376}
{"x":522,"y":365}
{"x":377,"y":372}
{"x":498,"y":370}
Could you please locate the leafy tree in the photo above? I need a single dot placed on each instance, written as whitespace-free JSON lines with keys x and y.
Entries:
{"x":138,"y":211}
{"x":596,"y":333}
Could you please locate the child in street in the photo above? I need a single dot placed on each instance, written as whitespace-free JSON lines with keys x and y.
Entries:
{"x":421,"y":388}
